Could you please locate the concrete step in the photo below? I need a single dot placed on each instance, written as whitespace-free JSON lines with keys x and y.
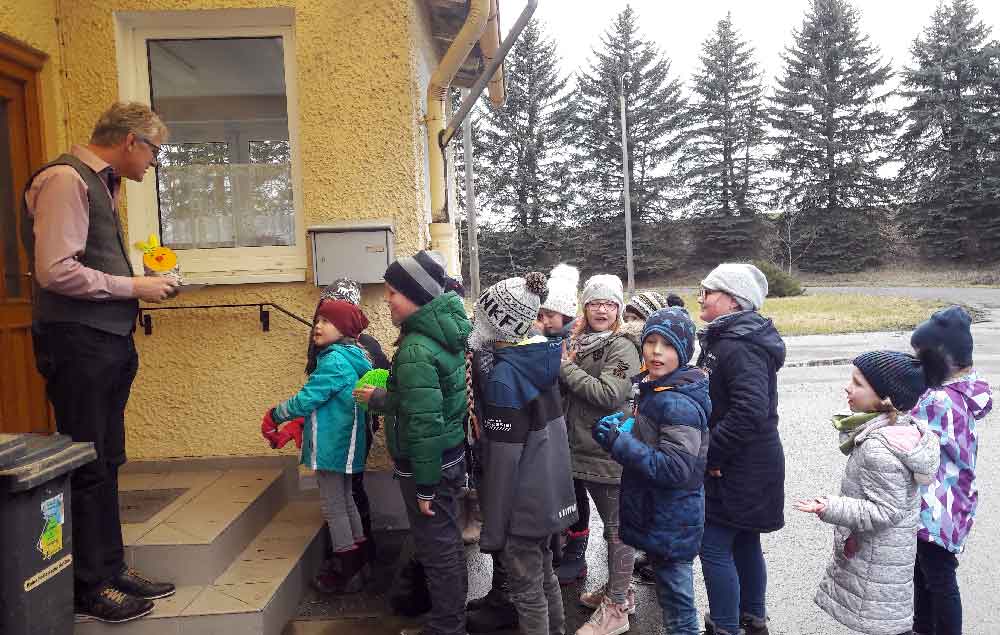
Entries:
{"x":191,"y":539}
{"x":257,"y":594}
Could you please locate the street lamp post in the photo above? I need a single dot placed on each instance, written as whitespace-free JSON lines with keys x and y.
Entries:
{"x":625,"y":190}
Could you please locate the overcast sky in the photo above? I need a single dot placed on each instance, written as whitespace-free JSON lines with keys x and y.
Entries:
{"x":679,"y":28}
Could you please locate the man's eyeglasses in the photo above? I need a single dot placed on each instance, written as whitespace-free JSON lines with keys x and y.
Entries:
{"x":704,"y":293}
{"x":598,"y":305}
{"x":152,"y":146}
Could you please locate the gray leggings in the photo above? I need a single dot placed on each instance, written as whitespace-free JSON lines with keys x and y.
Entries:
{"x":621,"y":557}
{"x":339,"y":510}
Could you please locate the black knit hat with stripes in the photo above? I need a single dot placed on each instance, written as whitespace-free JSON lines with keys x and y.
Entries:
{"x":421,"y":278}
{"x":898,"y":376}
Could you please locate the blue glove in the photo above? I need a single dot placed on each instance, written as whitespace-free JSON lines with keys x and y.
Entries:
{"x":605,"y":431}
{"x":626,"y":426}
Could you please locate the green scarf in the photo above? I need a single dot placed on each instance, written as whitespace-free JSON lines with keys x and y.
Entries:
{"x":850,"y":426}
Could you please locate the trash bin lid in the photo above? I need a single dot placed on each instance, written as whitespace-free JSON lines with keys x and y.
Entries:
{"x":43,"y":458}
{"x":11,"y":448}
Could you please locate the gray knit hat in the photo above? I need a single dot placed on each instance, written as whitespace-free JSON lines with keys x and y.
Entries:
{"x":744,"y":282}
{"x":605,"y":286}
{"x":506,"y":311}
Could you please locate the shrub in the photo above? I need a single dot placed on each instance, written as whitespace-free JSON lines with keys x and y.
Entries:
{"x":779,"y":283}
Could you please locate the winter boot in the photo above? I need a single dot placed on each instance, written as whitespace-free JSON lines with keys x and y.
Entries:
{"x":573,"y":566}
{"x":343,"y":573}
{"x":472,"y":516}
{"x":710,"y":628}
{"x":753,"y":625}
{"x":409,"y":596}
{"x":608,"y":619}
{"x":594,"y":599}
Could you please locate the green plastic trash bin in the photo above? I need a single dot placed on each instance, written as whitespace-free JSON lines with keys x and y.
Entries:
{"x":36,"y":532}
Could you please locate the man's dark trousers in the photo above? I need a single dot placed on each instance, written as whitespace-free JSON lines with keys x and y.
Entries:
{"x":88,"y":376}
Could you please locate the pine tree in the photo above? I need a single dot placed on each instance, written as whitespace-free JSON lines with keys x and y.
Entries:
{"x":949,"y":145}
{"x":656,"y":116}
{"x":723,"y":163}
{"x":833,"y":135}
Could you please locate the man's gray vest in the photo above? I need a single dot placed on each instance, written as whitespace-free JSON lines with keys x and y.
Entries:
{"x":105,"y":251}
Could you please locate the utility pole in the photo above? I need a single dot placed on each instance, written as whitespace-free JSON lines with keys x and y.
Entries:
{"x":470,"y":210}
{"x":625,"y":190}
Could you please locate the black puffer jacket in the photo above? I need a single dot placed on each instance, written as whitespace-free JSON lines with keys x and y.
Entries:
{"x":742,"y":352}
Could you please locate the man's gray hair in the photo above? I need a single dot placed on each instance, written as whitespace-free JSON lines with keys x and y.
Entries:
{"x":125,"y":117}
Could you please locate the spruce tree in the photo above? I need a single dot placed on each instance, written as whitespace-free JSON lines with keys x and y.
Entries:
{"x":952,"y":134}
{"x":521,"y":171}
{"x":656,"y":116}
{"x":833,"y":135}
{"x":723,"y":163}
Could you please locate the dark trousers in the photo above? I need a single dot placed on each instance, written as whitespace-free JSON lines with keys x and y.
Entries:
{"x":438,"y":545}
{"x":534,"y":587}
{"x":582,"y":506}
{"x":88,"y":375}
{"x":937,"y":602}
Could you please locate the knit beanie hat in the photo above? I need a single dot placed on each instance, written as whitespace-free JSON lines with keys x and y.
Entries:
{"x":646,"y":303}
{"x":348,"y":318}
{"x":675,"y":325}
{"x":745,"y":282}
{"x":342,"y":289}
{"x":949,"y":331}
{"x":901,"y":377}
{"x":420,"y":277}
{"x":506,"y":311}
{"x":562,"y":296}
{"x":605,"y":286}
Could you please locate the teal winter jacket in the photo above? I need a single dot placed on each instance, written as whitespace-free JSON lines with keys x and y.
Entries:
{"x":334,"y":434}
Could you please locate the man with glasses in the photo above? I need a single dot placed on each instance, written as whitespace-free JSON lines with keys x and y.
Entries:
{"x":86,"y":301}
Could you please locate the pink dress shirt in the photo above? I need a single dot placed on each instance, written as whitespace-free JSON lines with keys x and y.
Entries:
{"x":57,"y":201}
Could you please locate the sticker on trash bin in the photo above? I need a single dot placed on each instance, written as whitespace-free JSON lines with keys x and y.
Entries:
{"x":48,"y":572}
{"x":51,"y":541}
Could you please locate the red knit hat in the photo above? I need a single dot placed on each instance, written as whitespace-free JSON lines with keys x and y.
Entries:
{"x":348,"y":319}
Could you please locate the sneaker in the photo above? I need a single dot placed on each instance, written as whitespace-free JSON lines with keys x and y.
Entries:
{"x":593,"y":599}
{"x":129,"y":581}
{"x":111,"y":605}
{"x":608,"y":619}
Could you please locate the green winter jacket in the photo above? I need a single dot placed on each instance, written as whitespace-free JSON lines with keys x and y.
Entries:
{"x":334,"y":434}
{"x":425,"y":400}
{"x":597,"y":384}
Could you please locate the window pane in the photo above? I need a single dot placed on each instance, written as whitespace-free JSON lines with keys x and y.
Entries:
{"x":225,"y":179}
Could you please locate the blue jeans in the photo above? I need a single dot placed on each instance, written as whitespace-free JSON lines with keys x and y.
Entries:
{"x":937,"y":602}
{"x":735,"y":575}
{"x":675,"y":590}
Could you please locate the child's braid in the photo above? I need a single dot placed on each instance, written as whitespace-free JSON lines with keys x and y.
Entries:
{"x":473,"y":427}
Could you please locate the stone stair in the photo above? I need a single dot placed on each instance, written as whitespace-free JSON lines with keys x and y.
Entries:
{"x":234,"y":535}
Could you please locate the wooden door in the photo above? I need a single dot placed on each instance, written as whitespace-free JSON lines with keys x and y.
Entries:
{"x":23,"y":406}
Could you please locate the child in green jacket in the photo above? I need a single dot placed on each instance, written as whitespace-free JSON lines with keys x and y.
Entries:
{"x":334,"y":436}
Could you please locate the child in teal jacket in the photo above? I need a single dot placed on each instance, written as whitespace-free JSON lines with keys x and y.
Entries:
{"x":334,"y":436}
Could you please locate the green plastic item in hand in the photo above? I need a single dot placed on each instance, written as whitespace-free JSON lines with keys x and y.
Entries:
{"x":376,"y":377}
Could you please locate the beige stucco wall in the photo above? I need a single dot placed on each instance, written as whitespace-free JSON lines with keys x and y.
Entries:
{"x":206,"y":377}
{"x":33,"y":22}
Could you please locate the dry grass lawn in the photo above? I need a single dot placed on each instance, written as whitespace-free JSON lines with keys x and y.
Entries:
{"x":835,"y":313}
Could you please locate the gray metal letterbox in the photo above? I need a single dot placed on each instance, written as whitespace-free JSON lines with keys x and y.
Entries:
{"x":357,"y":250}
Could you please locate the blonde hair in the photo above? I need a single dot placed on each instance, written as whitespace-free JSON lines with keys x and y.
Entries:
{"x":125,"y":117}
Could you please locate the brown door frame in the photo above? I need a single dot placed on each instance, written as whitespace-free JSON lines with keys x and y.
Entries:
{"x":21,"y":66}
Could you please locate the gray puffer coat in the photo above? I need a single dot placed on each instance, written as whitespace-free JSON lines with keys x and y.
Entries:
{"x":868,"y":586}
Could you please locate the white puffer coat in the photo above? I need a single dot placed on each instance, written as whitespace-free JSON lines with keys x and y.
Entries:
{"x":879,"y":506}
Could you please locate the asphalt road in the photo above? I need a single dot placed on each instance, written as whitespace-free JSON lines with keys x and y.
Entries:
{"x":798,"y":554}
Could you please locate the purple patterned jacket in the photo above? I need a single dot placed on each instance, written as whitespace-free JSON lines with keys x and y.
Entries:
{"x":948,"y":504}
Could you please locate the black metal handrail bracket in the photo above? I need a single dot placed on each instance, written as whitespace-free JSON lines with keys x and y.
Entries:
{"x":264,"y":315}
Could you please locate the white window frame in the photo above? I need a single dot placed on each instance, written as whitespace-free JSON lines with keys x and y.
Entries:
{"x":231,"y":265}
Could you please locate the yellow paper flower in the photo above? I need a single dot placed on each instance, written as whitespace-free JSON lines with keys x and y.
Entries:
{"x":155,"y":257}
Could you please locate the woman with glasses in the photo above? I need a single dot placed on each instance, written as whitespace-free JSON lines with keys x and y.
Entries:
{"x":744,"y":484}
{"x":596,"y":376}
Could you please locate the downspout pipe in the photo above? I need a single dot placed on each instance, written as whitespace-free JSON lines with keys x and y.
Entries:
{"x":489,"y":45}
{"x":477,"y":89}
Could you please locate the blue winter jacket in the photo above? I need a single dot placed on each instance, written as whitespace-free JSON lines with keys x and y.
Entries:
{"x":334,"y":434}
{"x":662,"y":508}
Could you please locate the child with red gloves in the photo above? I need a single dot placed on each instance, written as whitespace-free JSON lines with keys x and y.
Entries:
{"x":333,"y":436}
